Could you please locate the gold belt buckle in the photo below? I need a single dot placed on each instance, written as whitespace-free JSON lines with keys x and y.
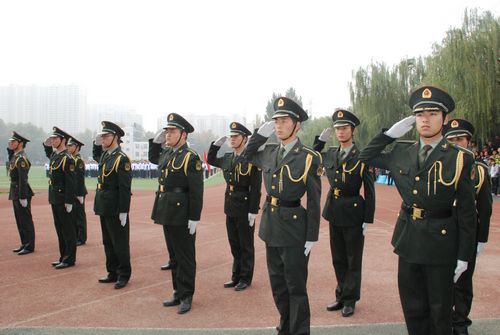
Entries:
{"x":50,"y":182}
{"x":274,"y":201}
{"x":99,"y":186}
{"x":417,"y":213}
{"x":162,"y":188}
{"x":336,"y":192}
{"x":231,"y":188}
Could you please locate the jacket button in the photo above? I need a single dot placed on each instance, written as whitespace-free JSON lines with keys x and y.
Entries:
{"x":274,"y":175}
{"x":355,"y":205}
{"x":400,"y":171}
{"x":246,"y":198}
{"x":415,"y":192}
{"x":273,"y":187}
{"x":417,"y":178}
{"x":272,"y":209}
{"x":178,"y":204}
{"x":337,"y":171}
{"x":443,"y":232}
{"x":229,"y":193}
{"x":295,"y":216}
{"x":335,"y":180}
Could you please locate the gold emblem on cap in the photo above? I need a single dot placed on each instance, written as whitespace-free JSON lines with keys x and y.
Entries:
{"x":233,"y":125}
{"x":340,"y":114}
{"x":54,"y":128}
{"x":454,"y":124}
{"x":281,"y":103}
{"x":171,"y":117}
{"x":426,"y":93}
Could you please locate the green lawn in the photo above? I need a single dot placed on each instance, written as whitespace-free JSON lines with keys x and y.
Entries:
{"x":38,"y":180}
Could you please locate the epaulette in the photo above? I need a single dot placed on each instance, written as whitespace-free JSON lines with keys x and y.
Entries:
{"x":315,"y":153}
{"x":228,"y":154}
{"x":459,"y":148}
{"x":193,"y":152}
{"x":482,"y":164}
{"x":407,"y":142}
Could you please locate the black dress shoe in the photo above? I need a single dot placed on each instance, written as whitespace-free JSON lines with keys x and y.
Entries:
{"x":347,"y":311}
{"x":107,"y":279}
{"x":167,"y":266}
{"x":21,"y":247}
{"x":121,"y":283}
{"x":172,"y":302}
{"x":241,"y":286}
{"x":460,"y":331}
{"x":63,"y":265}
{"x":185,"y":305}
{"x":230,"y":284}
{"x":55,"y":263}
{"x":337,"y":305}
{"x":25,"y":252}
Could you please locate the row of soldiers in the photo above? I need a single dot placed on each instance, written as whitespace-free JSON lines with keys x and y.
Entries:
{"x":441,"y":227}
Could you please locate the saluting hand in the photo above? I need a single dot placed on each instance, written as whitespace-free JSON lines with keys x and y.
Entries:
{"x":326,"y":135}
{"x":160,"y":137}
{"x":401,"y":127}
{"x":220,"y":141}
{"x":266,"y":129}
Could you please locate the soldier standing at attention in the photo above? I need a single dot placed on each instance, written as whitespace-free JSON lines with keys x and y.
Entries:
{"x":241,"y":203}
{"x":460,"y":132}
{"x":112,"y":203}
{"x":290,"y":170}
{"x":178,"y":204}
{"x":62,"y":195}
{"x":346,"y":210}
{"x":435,"y":233}
{"x":79,"y":215}
{"x":20,"y":192}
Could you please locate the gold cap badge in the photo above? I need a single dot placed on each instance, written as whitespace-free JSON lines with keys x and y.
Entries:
{"x":281,"y":103}
{"x":233,"y":125}
{"x":454,"y":124}
{"x":426,"y":93}
{"x":340,"y":114}
{"x":171,"y":117}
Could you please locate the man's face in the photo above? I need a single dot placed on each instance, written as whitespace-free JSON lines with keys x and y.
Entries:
{"x":343,"y":133}
{"x":72,"y":149}
{"x":107,"y":140}
{"x":56,"y":141}
{"x":284,"y":126}
{"x":462,"y":141}
{"x":172,"y":136}
{"x":429,"y":123}
{"x":13,"y":145}
{"x":235,"y":141}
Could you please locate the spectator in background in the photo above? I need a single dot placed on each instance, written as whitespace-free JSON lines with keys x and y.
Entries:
{"x":494,"y":170}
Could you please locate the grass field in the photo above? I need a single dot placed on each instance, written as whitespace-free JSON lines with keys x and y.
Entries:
{"x":38,"y":180}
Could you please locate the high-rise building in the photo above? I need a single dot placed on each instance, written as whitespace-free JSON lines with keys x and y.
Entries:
{"x":122,"y":115}
{"x":44,"y":106}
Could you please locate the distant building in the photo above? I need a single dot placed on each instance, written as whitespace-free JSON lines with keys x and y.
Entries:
{"x":135,"y":149}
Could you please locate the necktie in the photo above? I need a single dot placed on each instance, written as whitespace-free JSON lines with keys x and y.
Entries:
{"x":341,"y":156}
{"x":281,"y":153}
{"x":422,"y":156}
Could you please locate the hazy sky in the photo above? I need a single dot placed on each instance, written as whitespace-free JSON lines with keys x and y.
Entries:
{"x":213,"y":56}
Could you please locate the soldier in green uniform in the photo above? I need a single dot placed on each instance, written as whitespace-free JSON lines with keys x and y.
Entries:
{"x":346,"y":210}
{"x":178,"y":204}
{"x":112,"y":203}
{"x":20,"y":192}
{"x":435,"y":233}
{"x":241,"y":203}
{"x":62,"y":195}
{"x":460,"y":132}
{"x":290,"y":170}
{"x":79,"y":215}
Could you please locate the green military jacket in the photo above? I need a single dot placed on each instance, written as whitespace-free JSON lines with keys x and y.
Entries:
{"x":19,"y":167}
{"x":344,"y":204}
{"x":61,"y":177}
{"x":484,"y":200}
{"x":114,"y":181}
{"x":80,"y":188}
{"x":243,"y":180}
{"x":288,"y":181}
{"x":442,"y":185}
{"x":180,"y":185}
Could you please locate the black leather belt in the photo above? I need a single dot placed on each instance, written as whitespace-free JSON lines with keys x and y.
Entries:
{"x":283,"y":203}
{"x":163,"y":188}
{"x":420,"y":213}
{"x":338,"y":193}
{"x":236,"y":188}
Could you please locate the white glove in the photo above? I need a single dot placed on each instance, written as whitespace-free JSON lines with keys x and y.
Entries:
{"x":365,"y":228}
{"x":308,"y":246}
{"x":251,"y":219}
{"x":24,"y":202}
{"x":192,"y":226}
{"x":461,"y":267}
{"x":68,"y":207}
{"x":98,"y":140}
{"x":326,"y":135}
{"x":266,"y":129}
{"x":123,"y":219}
{"x":159,"y":137}
{"x":80,"y":200}
{"x":220,"y":141}
{"x":401,"y":127}
{"x":480,"y":247}
{"x":48,"y":141}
